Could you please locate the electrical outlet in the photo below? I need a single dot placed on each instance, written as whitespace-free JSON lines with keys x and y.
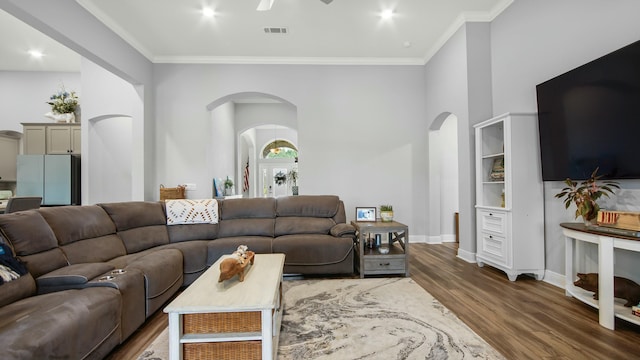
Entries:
{"x":190,"y":187}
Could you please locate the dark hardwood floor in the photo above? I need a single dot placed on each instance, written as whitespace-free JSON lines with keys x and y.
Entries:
{"x":526,"y":319}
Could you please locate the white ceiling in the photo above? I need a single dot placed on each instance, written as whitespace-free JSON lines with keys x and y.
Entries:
{"x":343,"y":32}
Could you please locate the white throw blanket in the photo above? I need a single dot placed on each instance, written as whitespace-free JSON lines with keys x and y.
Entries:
{"x":188,"y":211}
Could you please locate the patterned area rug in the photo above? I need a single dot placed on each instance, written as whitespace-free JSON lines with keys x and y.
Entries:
{"x":381,"y":318}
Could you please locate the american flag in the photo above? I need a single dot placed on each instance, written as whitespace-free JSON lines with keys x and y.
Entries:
{"x":245,"y":182}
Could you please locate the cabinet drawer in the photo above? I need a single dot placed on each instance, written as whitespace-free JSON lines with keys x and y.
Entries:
{"x":494,"y":247}
{"x":377,"y":263}
{"x":493,"y":221}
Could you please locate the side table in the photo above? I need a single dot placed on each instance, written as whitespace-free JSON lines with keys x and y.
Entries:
{"x":370,"y":260}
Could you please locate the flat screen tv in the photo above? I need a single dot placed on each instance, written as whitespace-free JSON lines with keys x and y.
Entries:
{"x":589,"y":118}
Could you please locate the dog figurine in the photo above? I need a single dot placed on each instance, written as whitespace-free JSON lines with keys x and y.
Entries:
{"x":622,"y":288}
{"x":236,"y":264}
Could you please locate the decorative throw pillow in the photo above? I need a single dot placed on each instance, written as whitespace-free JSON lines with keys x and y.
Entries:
{"x":10,"y":267}
{"x":188,"y":211}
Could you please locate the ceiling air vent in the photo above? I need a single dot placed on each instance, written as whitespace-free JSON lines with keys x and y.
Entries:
{"x":276,"y":30}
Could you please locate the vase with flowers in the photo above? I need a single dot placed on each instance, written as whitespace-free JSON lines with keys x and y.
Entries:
{"x":63,"y":106}
{"x":585,"y":195}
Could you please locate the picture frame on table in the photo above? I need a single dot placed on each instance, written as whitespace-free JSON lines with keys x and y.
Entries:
{"x":364,"y":214}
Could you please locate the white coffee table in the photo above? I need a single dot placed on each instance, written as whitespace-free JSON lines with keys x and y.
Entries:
{"x":211,"y":320}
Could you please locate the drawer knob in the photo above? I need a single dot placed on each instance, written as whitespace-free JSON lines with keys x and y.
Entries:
{"x":385,"y":264}
{"x":490,"y":236}
{"x":490,"y":214}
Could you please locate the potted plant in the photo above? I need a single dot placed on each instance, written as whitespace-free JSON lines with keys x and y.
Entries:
{"x":63,"y":106}
{"x":585,"y":195}
{"x":228,"y":186}
{"x":386,"y":212}
{"x":292,"y":177}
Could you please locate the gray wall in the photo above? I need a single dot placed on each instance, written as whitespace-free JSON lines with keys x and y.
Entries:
{"x":535,"y":40}
{"x":458,"y":80}
{"x":23,"y":95}
{"x":361,"y":129}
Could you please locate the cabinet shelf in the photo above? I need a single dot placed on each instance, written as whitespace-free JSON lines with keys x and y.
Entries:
{"x":619,"y":310}
{"x":493,"y":156}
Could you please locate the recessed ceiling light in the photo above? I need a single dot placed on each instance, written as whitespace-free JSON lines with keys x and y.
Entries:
{"x":36,"y":54}
{"x":208,"y":12}
{"x":386,"y":14}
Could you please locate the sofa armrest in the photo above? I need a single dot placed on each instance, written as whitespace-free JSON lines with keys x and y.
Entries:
{"x":71,"y":277}
{"x":343,"y":230}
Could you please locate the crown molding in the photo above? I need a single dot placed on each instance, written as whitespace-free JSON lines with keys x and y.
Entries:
{"x":285,"y":60}
{"x":475,"y":16}
{"x":113,"y":26}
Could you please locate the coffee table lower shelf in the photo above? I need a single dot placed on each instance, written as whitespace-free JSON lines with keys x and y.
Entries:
{"x":244,"y":340}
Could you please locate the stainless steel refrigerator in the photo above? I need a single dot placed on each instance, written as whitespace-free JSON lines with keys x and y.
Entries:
{"x":54,"y":177}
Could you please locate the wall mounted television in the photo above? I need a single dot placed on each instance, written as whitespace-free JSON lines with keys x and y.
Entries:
{"x":590,"y":117}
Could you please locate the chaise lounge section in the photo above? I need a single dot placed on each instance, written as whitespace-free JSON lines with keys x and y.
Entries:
{"x":96,"y":272}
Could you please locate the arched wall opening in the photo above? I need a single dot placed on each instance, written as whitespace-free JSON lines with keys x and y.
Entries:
{"x":110,"y":145}
{"x":242,"y":125}
{"x":443,"y":178}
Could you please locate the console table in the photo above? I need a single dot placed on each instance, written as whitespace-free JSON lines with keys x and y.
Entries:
{"x":371,"y":261}
{"x":609,"y":308}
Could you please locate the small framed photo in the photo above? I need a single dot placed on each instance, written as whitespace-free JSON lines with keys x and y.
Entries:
{"x":366,"y":214}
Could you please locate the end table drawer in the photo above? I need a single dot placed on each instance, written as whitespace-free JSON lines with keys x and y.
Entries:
{"x":376,"y":264}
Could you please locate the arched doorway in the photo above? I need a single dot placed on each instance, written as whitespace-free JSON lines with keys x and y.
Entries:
{"x":247,"y":128}
{"x":443,"y":178}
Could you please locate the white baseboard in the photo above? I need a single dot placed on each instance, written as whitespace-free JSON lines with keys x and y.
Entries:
{"x":467,"y":256}
{"x":438,"y":239}
{"x":554,"y":279}
{"x":448,"y":237}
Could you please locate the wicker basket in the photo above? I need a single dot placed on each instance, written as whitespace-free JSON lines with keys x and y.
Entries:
{"x":172,"y":193}
{"x":236,"y":350}
{"x":230,"y":322}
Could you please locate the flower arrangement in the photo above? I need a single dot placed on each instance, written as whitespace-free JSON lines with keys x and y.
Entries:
{"x":586,"y":194}
{"x":280,"y":178}
{"x":63,"y":102}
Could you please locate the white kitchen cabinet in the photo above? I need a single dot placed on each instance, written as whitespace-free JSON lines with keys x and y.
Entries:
{"x":8,"y":156}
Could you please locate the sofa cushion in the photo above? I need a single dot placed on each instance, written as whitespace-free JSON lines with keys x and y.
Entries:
{"x":28,"y":232}
{"x":179,"y":233}
{"x":135,"y":214}
{"x":93,"y":250}
{"x":85,"y":233}
{"x":303,"y":225}
{"x":262,"y":208}
{"x":325,"y":206}
{"x":246,"y":227}
{"x":74,"y":223}
{"x":140,"y":224}
{"x":162,"y":270}
{"x":313,"y":249}
{"x":20,"y":288}
{"x":68,"y":324}
{"x":194,"y":257}
{"x":44,"y":262}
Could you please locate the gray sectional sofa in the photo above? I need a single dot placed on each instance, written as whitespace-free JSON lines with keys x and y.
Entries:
{"x":96,"y":272}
